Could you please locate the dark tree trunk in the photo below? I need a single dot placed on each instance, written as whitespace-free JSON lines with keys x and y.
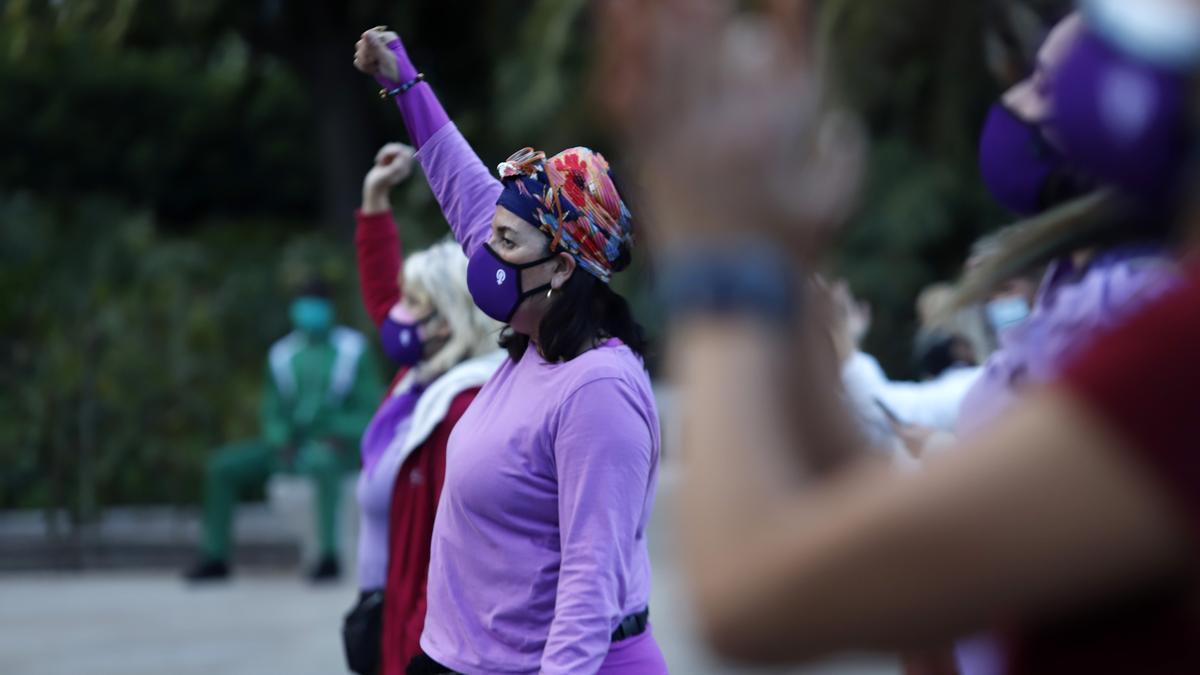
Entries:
{"x":318,"y":40}
{"x":343,"y":143}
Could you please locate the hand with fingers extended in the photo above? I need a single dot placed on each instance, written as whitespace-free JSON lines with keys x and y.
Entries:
{"x":393,"y":165}
{"x":850,"y":319}
{"x":730,"y":123}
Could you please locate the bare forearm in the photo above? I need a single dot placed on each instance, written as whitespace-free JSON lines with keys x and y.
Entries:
{"x":763,"y":412}
{"x":737,"y":456}
{"x":872,"y":560}
{"x":744,"y":471}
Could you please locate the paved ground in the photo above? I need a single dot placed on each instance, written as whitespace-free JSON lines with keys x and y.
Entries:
{"x":143,"y":623}
{"x":137,"y":624}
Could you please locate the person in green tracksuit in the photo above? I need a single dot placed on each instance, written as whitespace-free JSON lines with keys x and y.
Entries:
{"x":321,"y":389}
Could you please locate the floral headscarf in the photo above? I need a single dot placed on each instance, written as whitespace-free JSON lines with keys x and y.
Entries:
{"x":571,"y":197}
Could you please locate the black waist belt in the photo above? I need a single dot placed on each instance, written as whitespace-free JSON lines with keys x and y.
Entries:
{"x":634,"y":624}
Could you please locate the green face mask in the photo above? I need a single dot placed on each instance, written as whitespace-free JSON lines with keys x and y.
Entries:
{"x":312,"y":314}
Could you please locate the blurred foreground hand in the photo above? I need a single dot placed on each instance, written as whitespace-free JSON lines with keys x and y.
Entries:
{"x":728,"y":120}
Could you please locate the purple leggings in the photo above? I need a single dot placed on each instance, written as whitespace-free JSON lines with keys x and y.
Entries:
{"x":638,"y":655}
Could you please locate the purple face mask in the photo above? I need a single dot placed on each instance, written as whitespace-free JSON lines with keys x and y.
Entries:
{"x":1121,"y":119}
{"x":1016,"y":161}
{"x":495,"y":284}
{"x":401,"y":336}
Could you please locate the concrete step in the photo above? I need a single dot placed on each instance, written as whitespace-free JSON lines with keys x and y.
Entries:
{"x":277,"y":533}
{"x":147,"y":537}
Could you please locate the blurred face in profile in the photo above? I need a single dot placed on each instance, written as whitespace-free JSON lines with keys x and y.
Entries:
{"x":416,"y":305}
{"x":518,"y":242}
{"x":1030,"y":98}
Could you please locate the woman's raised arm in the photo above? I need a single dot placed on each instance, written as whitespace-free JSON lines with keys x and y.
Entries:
{"x":462,"y":184}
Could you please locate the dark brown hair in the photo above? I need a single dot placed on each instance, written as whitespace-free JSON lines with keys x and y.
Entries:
{"x":583,"y":311}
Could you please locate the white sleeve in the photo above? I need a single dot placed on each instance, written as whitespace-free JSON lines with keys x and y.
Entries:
{"x":931,"y":404}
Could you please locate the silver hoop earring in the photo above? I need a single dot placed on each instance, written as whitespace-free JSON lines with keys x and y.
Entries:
{"x":548,"y":292}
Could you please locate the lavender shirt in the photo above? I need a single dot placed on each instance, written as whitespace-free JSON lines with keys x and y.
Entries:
{"x":539,"y":544}
{"x":1073,"y":305}
{"x":377,"y":480}
{"x":402,"y":424}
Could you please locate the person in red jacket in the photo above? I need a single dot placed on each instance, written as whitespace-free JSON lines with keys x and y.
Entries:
{"x":446,"y":349}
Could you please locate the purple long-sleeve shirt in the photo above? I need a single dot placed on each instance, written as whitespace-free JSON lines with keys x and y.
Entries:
{"x":422,"y":112}
{"x":539,"y":544}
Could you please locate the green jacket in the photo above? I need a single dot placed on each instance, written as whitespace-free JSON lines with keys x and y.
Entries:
{"x":319,"y":389}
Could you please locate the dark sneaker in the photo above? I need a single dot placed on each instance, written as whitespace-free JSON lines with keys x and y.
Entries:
{"x":209,"y":569}
{"x":326,"y":569}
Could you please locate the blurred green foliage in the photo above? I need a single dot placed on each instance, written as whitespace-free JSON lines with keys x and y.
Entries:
{"x":130,"y":352}
{"x":170,"y":170}
{"x":216,"y":141}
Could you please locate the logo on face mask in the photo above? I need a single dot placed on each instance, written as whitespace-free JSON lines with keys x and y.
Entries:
{"x":501,"y":299}
{"x":401,"y":335}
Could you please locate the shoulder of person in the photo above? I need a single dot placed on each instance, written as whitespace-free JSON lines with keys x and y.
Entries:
{"x":347,"y":335}
{"x":603,"y":377}
{"x":615,"y":362}
{"x":1116,"y":283}
{"x":862,"y":368}
{"x":288,"y":343}
{"x":611,"y":397}
{"x":1136,"y":281}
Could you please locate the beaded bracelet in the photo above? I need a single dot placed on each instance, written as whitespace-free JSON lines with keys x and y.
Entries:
{"x":384,"y":93}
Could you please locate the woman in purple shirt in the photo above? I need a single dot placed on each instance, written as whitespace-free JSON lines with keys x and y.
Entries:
{"x":539,"y":560}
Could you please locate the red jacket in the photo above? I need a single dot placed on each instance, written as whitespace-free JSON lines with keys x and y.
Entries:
{"x":419,"y":480}
{"x":1140,"y":380}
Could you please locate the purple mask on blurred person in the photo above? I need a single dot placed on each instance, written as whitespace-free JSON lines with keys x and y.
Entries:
{"x":401,"y":336}
{"x":1016,"y":161}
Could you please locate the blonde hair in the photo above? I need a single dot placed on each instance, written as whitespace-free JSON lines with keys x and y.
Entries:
{"x":439,"y":274}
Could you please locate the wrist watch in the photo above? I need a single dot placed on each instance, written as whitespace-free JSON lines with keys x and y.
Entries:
{"x":751,"y":279}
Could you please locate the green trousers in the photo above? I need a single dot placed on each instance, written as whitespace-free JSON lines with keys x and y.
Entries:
{"x":238,"y":468}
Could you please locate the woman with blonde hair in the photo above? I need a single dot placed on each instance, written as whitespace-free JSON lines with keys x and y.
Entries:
{"x":446,"y":350}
